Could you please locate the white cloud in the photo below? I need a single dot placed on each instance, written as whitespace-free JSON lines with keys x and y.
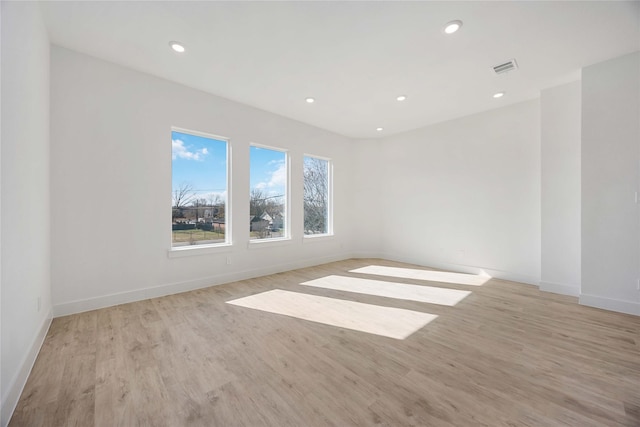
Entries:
{"x":179,"y":151}
{"x":222,"y":195}
{"x":278,"y":178}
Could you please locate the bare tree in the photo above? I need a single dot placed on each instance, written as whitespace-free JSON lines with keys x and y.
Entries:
{"x":220,"y":211}
{"x":257,"y":202}
{"x":260,"y":203}
{"x":316,"y":194}
{"x":257,"y":207}
{"x":273,"y":206}
{"x":182,"y":196}
{"x":216,"y":204}
{"x":213,"y":199}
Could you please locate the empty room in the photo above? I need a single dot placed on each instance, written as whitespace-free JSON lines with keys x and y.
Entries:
{"x":320,"y":213}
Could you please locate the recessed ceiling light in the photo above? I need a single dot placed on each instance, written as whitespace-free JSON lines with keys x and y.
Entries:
{"x":310,"y":100}
{"x":401,"y":97}
{"x":177,"y":47}
{"x":379,"y":129}
{"x":452,"y":27}
{"x":498,"y":95}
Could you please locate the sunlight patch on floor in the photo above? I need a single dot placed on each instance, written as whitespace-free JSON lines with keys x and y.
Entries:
{"x":385,"y":321}
{"x":433,"y":276}
{"x":421,"y":293}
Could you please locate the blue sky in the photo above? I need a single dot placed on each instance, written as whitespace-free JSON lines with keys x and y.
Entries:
{"x":201,"y":162}
{"x":268,"y":171}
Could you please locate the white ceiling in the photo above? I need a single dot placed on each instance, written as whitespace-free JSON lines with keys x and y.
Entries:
{"x":353,"y":57}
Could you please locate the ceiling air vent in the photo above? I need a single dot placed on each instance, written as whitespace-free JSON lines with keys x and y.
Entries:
{"x":506,"y":67}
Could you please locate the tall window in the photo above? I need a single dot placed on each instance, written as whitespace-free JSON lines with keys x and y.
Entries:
{"x":268,"y":196}
{"x":317,"y":196}
{"x":199,"y":189}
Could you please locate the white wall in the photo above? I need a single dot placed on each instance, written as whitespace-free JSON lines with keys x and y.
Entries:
{"x":560,"y":162}
{"x":610,"y":178}
{"x":464,"y":194}
{"x":1,"y":383}
{"x":25,"y":224}
{"x":368,"y":200}
{"x":111,"y":185}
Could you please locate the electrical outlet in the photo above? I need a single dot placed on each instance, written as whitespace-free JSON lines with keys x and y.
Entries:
{"x":638,"y":285}
{"x":228,"y":260}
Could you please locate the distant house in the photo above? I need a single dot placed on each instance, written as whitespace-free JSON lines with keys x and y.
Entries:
{"x":259,"y":223}
{"x":277,"y":222}
{"x":266,"y":222}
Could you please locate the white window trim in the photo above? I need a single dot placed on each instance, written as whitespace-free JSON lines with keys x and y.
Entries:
{"x":182,"y":251}
{"x":287,"y":197}
{"x":269,"y":243}
{"x":313,"y":238}
{"x":329,"y":234}
{"x":193,"y":250}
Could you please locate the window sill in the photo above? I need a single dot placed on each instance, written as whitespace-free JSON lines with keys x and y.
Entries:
{"x":268,"y":243}
{"x":194,"y":250}
{"x":312,"y":238}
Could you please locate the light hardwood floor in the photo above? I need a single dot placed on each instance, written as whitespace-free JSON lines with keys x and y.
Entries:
{"x":505,"y":355}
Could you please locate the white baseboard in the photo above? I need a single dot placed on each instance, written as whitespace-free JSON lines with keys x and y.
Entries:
{"x":19,"y":380}
{"x":457,"y":268}
{"x":556,"y":288}
{"x":628,"y":307}
{"x":79,"y":306}
{"x":88,"y":304}
{"x":361,"y":255}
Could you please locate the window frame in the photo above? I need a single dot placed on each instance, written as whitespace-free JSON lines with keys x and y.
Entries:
{"x":203,"y":249}
{"x":330,"y":231}
{"x":286,"y":238}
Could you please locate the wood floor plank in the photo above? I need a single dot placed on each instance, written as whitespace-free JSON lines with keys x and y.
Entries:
{"x":507,"y":355}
